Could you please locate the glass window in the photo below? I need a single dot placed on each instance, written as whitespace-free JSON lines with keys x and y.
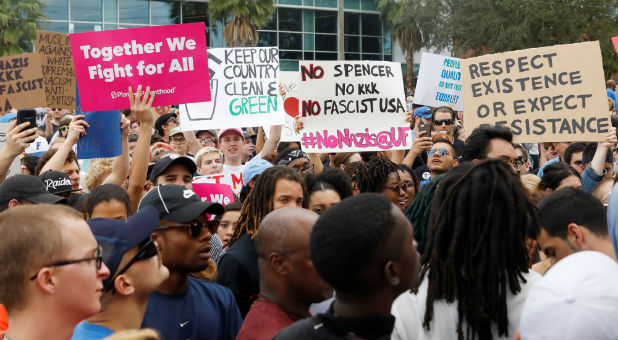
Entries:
{"x":308,"y":42}
{"x":308,"y":2}
{"x":80,"y":28}
{"x":309,"y":56}
{"x":388,"y":47}
{"x":326,"y":3}
{"x":216,"y":38}
{"x":60,"y":27}
{"x":372,"y":57}
{"x":351,"y":4}
{"x":267,"y":38}
{"x":86,"y":10}
{"x":294,"y":55}
{"x":352,"y":43}
{"x":351,"y":23}
{"x":110,"y":27}
{"x":110,"y":10}
{"x":57,"y":9}
{"x":272,"y":23}
{"x":388,"y":58}
{"x":369,"y":5}
{"x":308,"y":20}
{"x":289,"y":65}
{"x":290,"y":19}
{"x":352,"y":56}
{"x":290,"y":41}
{"x":324,"y":42}
{"x":371,"y":24}
{"x":133,"y":11}
{"x":326,"y":21}
{"x":371,"y":45}
{"x":291,"y":2}
{"x":195,"y":12}
{"x":164,"y":12}
{"x":325,"y":56}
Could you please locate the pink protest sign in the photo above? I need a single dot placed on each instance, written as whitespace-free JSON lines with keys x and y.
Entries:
{"x":615,"y":41}
{"x":171,"y":59}
{"x":211,"y":192}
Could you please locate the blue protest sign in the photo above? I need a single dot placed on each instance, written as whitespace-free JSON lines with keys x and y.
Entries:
{"x":103,"y":138}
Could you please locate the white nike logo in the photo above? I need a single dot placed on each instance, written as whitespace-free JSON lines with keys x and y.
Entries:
{"x":182,"y":324}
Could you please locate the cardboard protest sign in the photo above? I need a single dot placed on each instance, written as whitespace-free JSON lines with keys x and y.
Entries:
{"x":289,"y":80}
{"x":439,"y":82}
{"x":15,"y":167}
{"x":212,"y":192}
{"x":170,"y":59}
{"x":103,"y":138}
{"x":232,"y":180}
{"x":245,"y":90}
{"x":615,"y":42}
{"x":352,"y":106}
{"x":21,"y":82}
{"x":547,"y":94}
{"x":57,"y":68}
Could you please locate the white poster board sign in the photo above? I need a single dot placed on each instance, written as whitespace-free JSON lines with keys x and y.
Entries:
{"x":352,"y":106}
{"x":439,"y":82}
{"x":244,"y":83}
{"x":289,"y":80}
{"x":15,"y":167}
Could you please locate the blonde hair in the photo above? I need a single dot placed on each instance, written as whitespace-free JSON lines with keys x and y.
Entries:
{"x":98,"y":167}
{"x":204,"y":151}
{"x":531,"y":183}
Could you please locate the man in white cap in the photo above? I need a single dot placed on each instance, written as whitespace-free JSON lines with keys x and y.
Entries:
{"x":577,"y":299}
{"x":179,"y":143}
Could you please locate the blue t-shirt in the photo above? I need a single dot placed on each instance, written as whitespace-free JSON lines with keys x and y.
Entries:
{"x":205,"y":310}
{"x":89,"y":331}
{"x":611,"y":94}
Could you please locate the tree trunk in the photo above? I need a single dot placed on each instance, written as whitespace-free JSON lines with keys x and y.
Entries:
{"x":410,"y":70}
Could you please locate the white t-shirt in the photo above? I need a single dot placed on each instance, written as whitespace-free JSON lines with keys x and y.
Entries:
{"x":409,"y":311}
{"x":232,"y":175}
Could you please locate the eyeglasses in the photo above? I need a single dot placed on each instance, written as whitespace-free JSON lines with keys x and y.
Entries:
{"x":178,"y":140}
{"x":398,"y":187}
{"x":206,"y":140}
{"x":172,"y":120}
{"x":304,"y":169}
{"x":64,"y":128}
{"x":441,"y":151}
{"x":55,"y":109}
{"x":148,"y":250}
{"x":443,"y":121}
{"x":98,"y":257}
{"x":195,"y":228}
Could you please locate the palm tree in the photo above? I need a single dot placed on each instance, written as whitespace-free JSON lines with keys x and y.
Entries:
{"x":247,"y":17}
{"x":19,"y":21}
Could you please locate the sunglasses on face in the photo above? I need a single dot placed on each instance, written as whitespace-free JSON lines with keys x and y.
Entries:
{"x":98,"y":257}
{"x":55,"y":109}
{"x":64,"y":128}
{"x":441,"y":151}
{"x":195,"y":228}
{"x":148,"y":250}
{"x":443,"y":121}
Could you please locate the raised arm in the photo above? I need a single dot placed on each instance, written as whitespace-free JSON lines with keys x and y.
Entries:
{"x":77,"y":128}
{"x":16,"y":142}
{"x":120,"y":167}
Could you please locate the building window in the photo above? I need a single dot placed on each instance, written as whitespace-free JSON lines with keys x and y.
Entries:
{"x":133,"y":11}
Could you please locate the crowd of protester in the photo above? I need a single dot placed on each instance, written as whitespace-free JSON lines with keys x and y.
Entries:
{"x":466,"y":235}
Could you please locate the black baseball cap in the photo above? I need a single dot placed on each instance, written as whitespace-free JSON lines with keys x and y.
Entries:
{"x":162,"y":119}
{"x":56,"y":182}
{"x":177,"y":203}
{"x":26,"y":187}
{"x":166,"y":161}
{"x":116,"y":237}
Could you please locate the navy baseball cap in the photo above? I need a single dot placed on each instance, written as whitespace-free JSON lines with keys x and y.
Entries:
{"x":165,"y":162}
{"x":116,"y":237}
{"x":423,"y":111}
{"x":177,"y":203}
{"x":57,"y":182}
{"x":28,"y":188}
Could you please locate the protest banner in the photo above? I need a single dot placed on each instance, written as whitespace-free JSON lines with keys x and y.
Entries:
{"x":233,"y":180}
{"x":212,"y":192}
{"x":21,"y":82}
{"x":103,"y":137}
{"x":15,"y":167}
{"x":170,"y":59}
{"x":439,"y":82}
{"x":245,"y":90}
{"x":352,"y":106}
{"x":57,"y":68}
{"x":615,"y":42}
{"x":289,"y":81}
{"x":547,"y":94}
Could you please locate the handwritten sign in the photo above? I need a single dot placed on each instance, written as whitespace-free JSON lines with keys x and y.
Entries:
{"x":289,"y":80}
{"x":439,"y":82}
{"x":170,"y":59}
{"x":548,"y":94}
{"x":212,"y":192}
{"x":231,"y":179}
{"x":57,"y":68}
{"x":21,"y":82}
{"x":245,"y":90}
{"x":352,"y":106}
{"x":15,"y":167}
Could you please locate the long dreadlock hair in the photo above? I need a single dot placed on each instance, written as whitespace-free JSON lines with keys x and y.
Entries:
{"x":373,"y":175}
{"x":260,"y":200}
{"x":418,"y":212}
{"x":476,"y":246}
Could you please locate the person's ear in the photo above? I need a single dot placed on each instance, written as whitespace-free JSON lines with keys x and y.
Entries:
{"x":575,"y":234}
{"x":456,"y":161}
{"x":13,"y":203}
{"x":157,"y":238}
{"x":391,"y":273}
{"x":150,"y":185}
{"x":278,"y":263}
{"x":124,"y":285}
{"x":46,"y":280}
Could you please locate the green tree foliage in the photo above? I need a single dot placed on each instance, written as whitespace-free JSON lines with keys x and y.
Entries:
{"x":19,"y":21}
{"x":247,"y":16}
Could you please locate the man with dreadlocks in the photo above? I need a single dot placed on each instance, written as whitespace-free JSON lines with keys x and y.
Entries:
{"x":382,"y":176}
{"x":474,"y":276}
{"x":276,"y":188}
